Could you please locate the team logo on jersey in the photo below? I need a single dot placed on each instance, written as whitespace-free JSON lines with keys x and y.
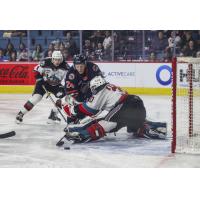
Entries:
{"x":71,"y":77}
{"x":95,"y":68}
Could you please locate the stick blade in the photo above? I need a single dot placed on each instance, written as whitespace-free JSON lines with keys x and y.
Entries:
{"x":7,"y":135}
{"x":59,"y":143}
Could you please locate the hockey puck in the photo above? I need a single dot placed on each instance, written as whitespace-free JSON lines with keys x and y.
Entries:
{"x":67,"y":148}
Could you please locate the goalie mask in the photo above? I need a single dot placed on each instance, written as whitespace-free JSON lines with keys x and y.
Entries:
{"x":57,"y":58}
{"x":97,"y":83}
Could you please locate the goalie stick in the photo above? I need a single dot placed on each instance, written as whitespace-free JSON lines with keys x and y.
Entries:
{"x":7,"y":135}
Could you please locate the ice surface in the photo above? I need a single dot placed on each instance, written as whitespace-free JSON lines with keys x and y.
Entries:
{"x":34,"y":144}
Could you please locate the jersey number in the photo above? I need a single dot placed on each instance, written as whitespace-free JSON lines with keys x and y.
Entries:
{"x":69,"y":84}
{"x":113,"y":87}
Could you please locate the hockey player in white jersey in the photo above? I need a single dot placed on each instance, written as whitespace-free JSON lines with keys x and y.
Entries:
{"x":108,"y":110}
{"x":49,"y":74}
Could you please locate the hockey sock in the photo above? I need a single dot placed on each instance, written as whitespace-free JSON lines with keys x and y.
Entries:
{"x":31,"y":103}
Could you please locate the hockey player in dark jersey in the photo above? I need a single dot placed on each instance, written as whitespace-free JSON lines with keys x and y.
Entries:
{"x":79,"y":76}
{"x":108,"y":110}
{"x":49,"y":74}
{"x":78,"y":79}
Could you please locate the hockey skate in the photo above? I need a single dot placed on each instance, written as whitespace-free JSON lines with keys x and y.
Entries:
{"x":19,"y":118}
{"x":153,"y":130}
{"x":53,"y":118}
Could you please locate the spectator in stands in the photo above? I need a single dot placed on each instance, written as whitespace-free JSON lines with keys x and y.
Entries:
{"x":174,"y":39}
{"x":190,"y":49}
{"x":152,"y":57}
{"x":69,"y":49}
{"x":50,"y":48}
{"x":56,"y":46}
{"x":159,"y":45}
{"x":186,"y":38}
{"x":49,"y":54}
{"x":37,"y":54}
{"x":13,"y":57}
{"x":168,"y":54}
{"x":22,"y":54}
{"x":96,"y":37}
{"x":99,"y":52}
{"x":107,"y":44}
{"x":9,"y":49}
{"x":69,"y":39}
{"x":2,"y":57}
{"x":87,"y":48}
{"x":62,"y":47}
{"x":66,"y":55}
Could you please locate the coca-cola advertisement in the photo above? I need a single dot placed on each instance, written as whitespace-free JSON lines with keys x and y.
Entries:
{"x":17,"y":73}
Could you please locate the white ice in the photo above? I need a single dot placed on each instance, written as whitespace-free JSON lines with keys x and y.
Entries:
{"x":34,"y":143}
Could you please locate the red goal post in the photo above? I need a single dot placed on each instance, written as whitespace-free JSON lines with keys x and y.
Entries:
{"x":186,"y":105}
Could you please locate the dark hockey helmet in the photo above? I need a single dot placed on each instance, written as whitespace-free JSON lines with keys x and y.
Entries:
{"x":79,"y":59}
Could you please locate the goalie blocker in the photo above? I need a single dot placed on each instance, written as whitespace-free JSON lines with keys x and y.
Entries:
{"x":123,"y":110}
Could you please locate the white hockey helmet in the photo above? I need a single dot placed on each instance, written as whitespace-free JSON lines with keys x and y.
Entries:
{"x":96,"y":82}
{"x":57,"y":56}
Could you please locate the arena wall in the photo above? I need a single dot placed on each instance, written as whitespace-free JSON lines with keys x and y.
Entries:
{"x":135,"y":77}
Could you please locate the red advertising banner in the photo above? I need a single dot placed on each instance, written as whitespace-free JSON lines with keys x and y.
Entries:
{"x":17,"y":73}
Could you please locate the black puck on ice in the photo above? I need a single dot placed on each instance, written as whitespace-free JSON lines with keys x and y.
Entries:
{"x":67,"y":148}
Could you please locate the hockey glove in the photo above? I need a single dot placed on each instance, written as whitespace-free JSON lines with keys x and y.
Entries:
{"x":69,"y":110}
{"x":70,"y":100}
{"x":59,"y":103}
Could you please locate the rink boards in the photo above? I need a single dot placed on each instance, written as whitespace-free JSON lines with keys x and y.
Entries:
{"x":135,"y":77}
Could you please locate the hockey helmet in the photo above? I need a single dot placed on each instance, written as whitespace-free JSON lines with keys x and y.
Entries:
{"x":57,"y":55}
{"x":79,"y":59}
{"x":96,"y":82}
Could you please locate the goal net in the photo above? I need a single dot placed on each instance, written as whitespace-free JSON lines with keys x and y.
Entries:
{"x":186,"y":105}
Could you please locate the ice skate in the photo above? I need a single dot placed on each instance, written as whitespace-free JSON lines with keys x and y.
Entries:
{"x":19,"y":118}
{"x":53,"y":118}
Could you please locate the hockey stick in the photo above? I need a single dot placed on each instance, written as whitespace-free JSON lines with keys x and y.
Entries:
{"x":52,"y":100}
{"x":60,"y":142}
{"x":7,"y":135}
